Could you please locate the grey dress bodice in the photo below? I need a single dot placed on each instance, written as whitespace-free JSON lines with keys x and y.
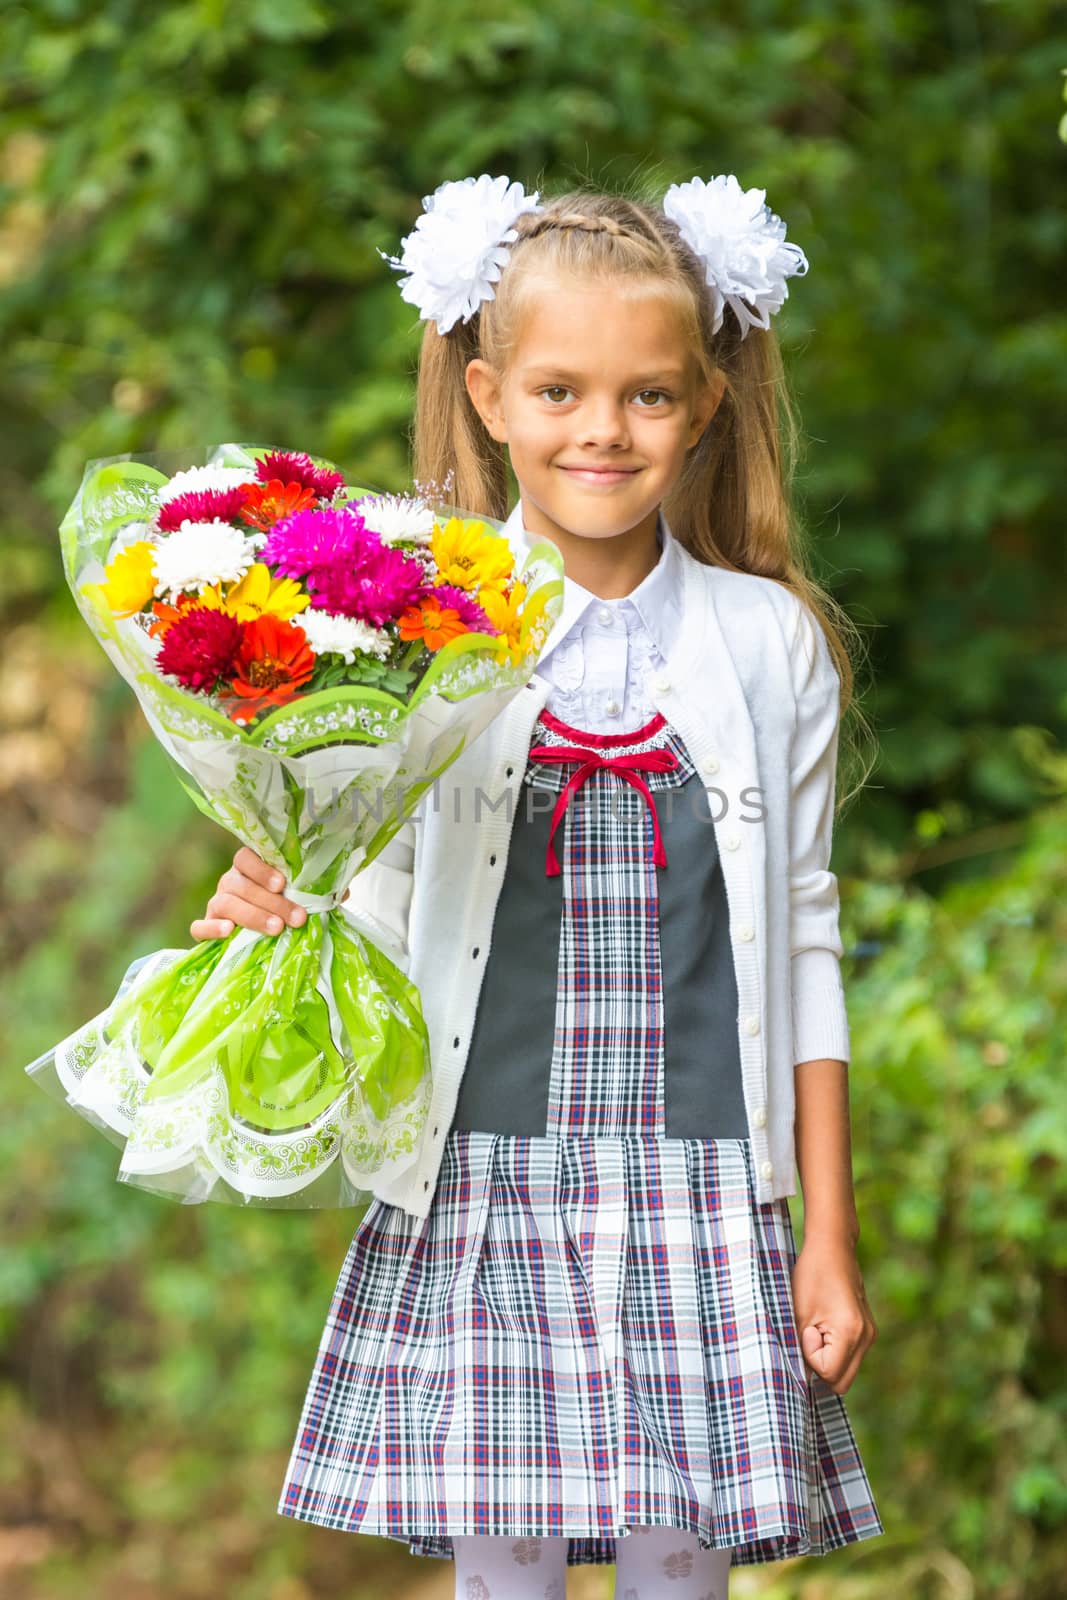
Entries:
{"x":665,"y":972}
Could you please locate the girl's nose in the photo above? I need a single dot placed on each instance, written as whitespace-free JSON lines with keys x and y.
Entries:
{"x":605,"y":424}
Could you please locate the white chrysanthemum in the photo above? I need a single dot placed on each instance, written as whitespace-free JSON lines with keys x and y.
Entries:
{"x":194,"y":480}
{"x":457,"y":249}
{"x":397,"y":516}
{"x":199,"y":553}
{"x":342,"y":636}
{"x":741,"y":242}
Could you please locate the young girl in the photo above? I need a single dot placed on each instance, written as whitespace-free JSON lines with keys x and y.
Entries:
{"x":579,"y":1329}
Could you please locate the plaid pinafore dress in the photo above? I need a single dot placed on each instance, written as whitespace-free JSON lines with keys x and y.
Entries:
{"x":593,"y":1326}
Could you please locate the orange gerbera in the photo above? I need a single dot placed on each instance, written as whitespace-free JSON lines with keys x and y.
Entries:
{"x":432,"y":623}
{"x":267,"y":503}
{"x":166,"y":614}
{"x":273,"y":662}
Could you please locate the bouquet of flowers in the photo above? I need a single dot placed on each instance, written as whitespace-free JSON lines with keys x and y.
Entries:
{"x":312,"y":656}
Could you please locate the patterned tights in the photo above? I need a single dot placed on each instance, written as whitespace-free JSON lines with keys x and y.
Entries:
{"x":652,"y":1564}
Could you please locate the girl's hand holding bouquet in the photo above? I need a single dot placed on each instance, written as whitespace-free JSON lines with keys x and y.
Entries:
{"x":312,"y":657}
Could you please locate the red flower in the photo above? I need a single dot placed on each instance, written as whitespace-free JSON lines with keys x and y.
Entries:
{"x":294,"y":466}
{"x":199,"y":648}
{"x":274,"y":660}
{"x":267,"y":503}
{"x":203,"y":505}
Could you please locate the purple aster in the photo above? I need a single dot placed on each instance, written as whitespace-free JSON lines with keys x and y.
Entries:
{"x":201,"y":505}
{"x":293,"y":466}
{"x":375,"y":588}
{"x":316,"y":540}
{"x":470,"y":612}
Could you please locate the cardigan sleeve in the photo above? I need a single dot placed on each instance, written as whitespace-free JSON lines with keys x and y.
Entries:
{"x":379,"y":896}
{"x":820,"y":1021}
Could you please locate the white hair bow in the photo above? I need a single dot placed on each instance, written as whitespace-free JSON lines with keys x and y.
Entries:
{"x":741,"y":242}
{"x":458,"y":248}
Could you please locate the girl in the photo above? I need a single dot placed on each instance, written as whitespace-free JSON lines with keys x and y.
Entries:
{"x":577,"y":1330}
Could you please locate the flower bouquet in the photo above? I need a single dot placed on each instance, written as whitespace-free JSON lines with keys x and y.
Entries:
{"x":312,"y":656}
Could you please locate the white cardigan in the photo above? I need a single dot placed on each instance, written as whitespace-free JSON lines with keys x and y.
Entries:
{"x":751,"y":687}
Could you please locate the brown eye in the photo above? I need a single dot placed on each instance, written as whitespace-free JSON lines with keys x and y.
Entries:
{"x":662,"y":392}
{"x":556,"y":388}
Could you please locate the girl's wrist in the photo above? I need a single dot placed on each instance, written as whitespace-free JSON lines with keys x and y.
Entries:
{"x":841,"y":1229}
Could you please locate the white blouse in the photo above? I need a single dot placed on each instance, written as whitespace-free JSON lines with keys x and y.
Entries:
{"x":598,"y":667}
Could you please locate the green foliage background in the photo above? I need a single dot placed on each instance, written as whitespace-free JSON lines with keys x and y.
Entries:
{"x":190,"y":200}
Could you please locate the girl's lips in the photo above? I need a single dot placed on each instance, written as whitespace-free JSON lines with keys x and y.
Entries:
{"x":591,"y":475}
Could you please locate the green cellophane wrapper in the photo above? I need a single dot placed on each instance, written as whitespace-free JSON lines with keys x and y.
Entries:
{"x":288,"y":1070}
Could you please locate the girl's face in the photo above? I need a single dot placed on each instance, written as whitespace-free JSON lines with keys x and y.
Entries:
{"x":600,"y":404}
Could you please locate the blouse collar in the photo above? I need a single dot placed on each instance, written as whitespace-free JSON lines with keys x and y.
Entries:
{"x":655,"y":604}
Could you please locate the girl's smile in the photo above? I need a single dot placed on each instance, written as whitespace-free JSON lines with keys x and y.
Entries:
{"x":598,"y":477}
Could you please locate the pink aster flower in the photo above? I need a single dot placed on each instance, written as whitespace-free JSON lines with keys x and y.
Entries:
{"x":293,"y":466}
{"x":200,"y":647}
{"x":470,"y":612}
{"x":375,"y":588}
{"x":201,"y":505}
{"x":314,"y":540}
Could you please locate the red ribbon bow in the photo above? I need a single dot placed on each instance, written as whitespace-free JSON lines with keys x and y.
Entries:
{"x":650,"y":760}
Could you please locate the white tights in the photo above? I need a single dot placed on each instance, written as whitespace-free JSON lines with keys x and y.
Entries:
{"x":652,"y":1564}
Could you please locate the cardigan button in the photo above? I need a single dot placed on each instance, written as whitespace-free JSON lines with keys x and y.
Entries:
{"x":710,"y":766}
{"x":767,"y":1170}
{"x":746,"y":932}
{"x":751,"y":1024}
{"x":661,"y":683}
{"x":733,"y":842}
{"x":759,"y":1116}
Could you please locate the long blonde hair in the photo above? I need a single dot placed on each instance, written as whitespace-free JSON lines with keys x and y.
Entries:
{"x":732,"y":505}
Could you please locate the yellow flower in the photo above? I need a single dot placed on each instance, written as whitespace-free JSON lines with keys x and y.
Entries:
{"x":468,"y":555}
{"x":522,"y":622}
{"x":257,"y":594}
{"x":131,"y":579}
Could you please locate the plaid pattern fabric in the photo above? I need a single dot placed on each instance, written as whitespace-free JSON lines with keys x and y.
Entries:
{"x":593,"y":1328}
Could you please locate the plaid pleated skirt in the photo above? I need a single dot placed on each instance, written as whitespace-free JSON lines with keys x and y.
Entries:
{"x":593,"y":1327}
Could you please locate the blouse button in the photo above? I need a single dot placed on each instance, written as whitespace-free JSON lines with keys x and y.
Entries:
{"x":604,"y":615}
{"x":613,"y":708}
{"x":767,"y":1170}
{"x":751,"y":1024}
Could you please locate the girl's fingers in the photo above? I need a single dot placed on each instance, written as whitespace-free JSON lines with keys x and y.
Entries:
{"x":211,"y":928}
{"x":257,"y":870}
{"x":243,"y":904}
